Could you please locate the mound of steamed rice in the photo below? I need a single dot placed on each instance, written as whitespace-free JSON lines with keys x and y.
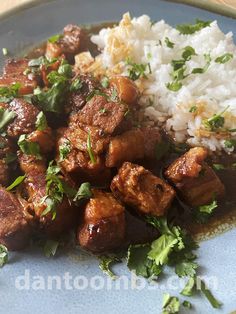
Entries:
{"x":210,"y":93}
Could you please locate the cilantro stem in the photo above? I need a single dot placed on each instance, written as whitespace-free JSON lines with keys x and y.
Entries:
{"x":89,"y":149}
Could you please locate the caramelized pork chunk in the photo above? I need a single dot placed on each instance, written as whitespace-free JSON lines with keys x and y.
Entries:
{"x":35,"y":187}
{"x":110,"y":117}
{"x":25,"y":119}
{"x":128,"y":146}
{"x":132,"y":145}
{"x":126,"y":89}
{"x":44,"y":138}
{"x":140,"y":189}
{"x":4,"y":172}
{"x":70,"y":43}
{"x":103,"y":227}
{"x":194,"y":179}
{"x":77,"y":99}
{"x":14,"y":72}
{"x":14,"y":229}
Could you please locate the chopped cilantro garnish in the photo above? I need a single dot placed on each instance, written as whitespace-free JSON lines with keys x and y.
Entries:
{"x":213,"y":301}
{"x":230,"y":143}
{"x":7,"y":94}
{"x":193,"y":109}
{"x":17,"y":182}
{"x":53,"y":39}
{"x":103,"y":110}
{"x":224,"y":58}
{"x":187,"y":29}
{"x":106,"y":262}
{"x":3,"y":255}
{"x":188,"y":290}
{"x":64,"y":150}
{"x":171,"y":305}
{"x":187,"y":304}
{"x":50,"y":248}
{"x":84,"y":192}
{"x":205,"y":68}
{"x":6,"y":116}
{"x":29,"y":148}
{"x":218,"y":167}
{"x":105,"y":82}
{"x":41,"y":122}
{"x":215,"y":122}
{"x":169,"y":44}
{"x":76,"y":85}
{"x":4,"y":51}
{"x":188,"y":53}
{"x":138,"y":70}
{"x":174,"y":86}
{"x":89,"y":150}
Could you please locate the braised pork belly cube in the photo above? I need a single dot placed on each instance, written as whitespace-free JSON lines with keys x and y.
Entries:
{"x":79,"y":167}
{"x":194,"y":179}
{"x":126,"y":89}
{"x":26,"y":115}
{"x":14,"y":72}
{"x":35,"y":189}
{"x":14,"y":228}
{"x":139,"y":188}
{"x":77,"y":99}
{"x":132,"y":145}
{"x":103,"y":227}
{"x":110,"y":117}
{"x":71,"y":42}
{"x":6,"y":150}
{"x":128,"y":146}
{"x":78,"y":138}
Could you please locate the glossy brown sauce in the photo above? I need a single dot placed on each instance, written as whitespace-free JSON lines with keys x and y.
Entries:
{"x":224,"y":217}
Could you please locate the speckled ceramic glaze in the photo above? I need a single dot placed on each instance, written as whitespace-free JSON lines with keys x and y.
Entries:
{"x":88,"y":291}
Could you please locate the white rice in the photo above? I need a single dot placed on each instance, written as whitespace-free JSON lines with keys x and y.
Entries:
{"x":211,"y":92}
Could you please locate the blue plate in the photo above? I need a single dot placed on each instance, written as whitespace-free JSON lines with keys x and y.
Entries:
{"x":27,"y":283}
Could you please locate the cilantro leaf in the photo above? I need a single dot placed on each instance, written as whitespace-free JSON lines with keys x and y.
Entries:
{"x":169,"y":44}
{"x":105,"y":264}
{"x":15,"y":183}
{"x":174,"y":86}
{"x":208,"y":209}
{"x":161,"y":249}
{"x":137,"y":260}
{"x":3,"y":255}
{"x":216,"y":121}
{"x":64,"y":150}
{"x":187,"y":304}
{"x":8,"y":93}
{"x":230,"y":143}
{"x":187,"y":29}
{"x":29,"y":148}
{"x":76,"y":85}
{"x":213,"y":301}
{"x":186,"y":268}
{"x":224,"y":58}
{"x":84,"y":192}
{"x":54,"y":39}
{"x":171,"y":305}
{"x":205,"y":68}
{"x":89,"y":149}
{"x":41,"y":122}
{"x":6,"y":116}
{"x":137,"y":70}
{"x":50,"y":248}
{"x":193,"y":109}
{"x":105,"y":82}
{"x":188,"y":53}
{"x":188,"y":290}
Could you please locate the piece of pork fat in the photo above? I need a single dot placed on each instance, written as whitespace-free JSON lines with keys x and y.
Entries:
{"x":26,"y":115}
{"x":107,"y":115}
{"x":139,"y":188}
{"x":194,"y":179}
{"x":35,"y":188}
{"x":72,"y":41}
{"x":14,"y":228}
{"x":103,"y":226}
{"x":14,"y":72}
{"x":132,"y":145}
